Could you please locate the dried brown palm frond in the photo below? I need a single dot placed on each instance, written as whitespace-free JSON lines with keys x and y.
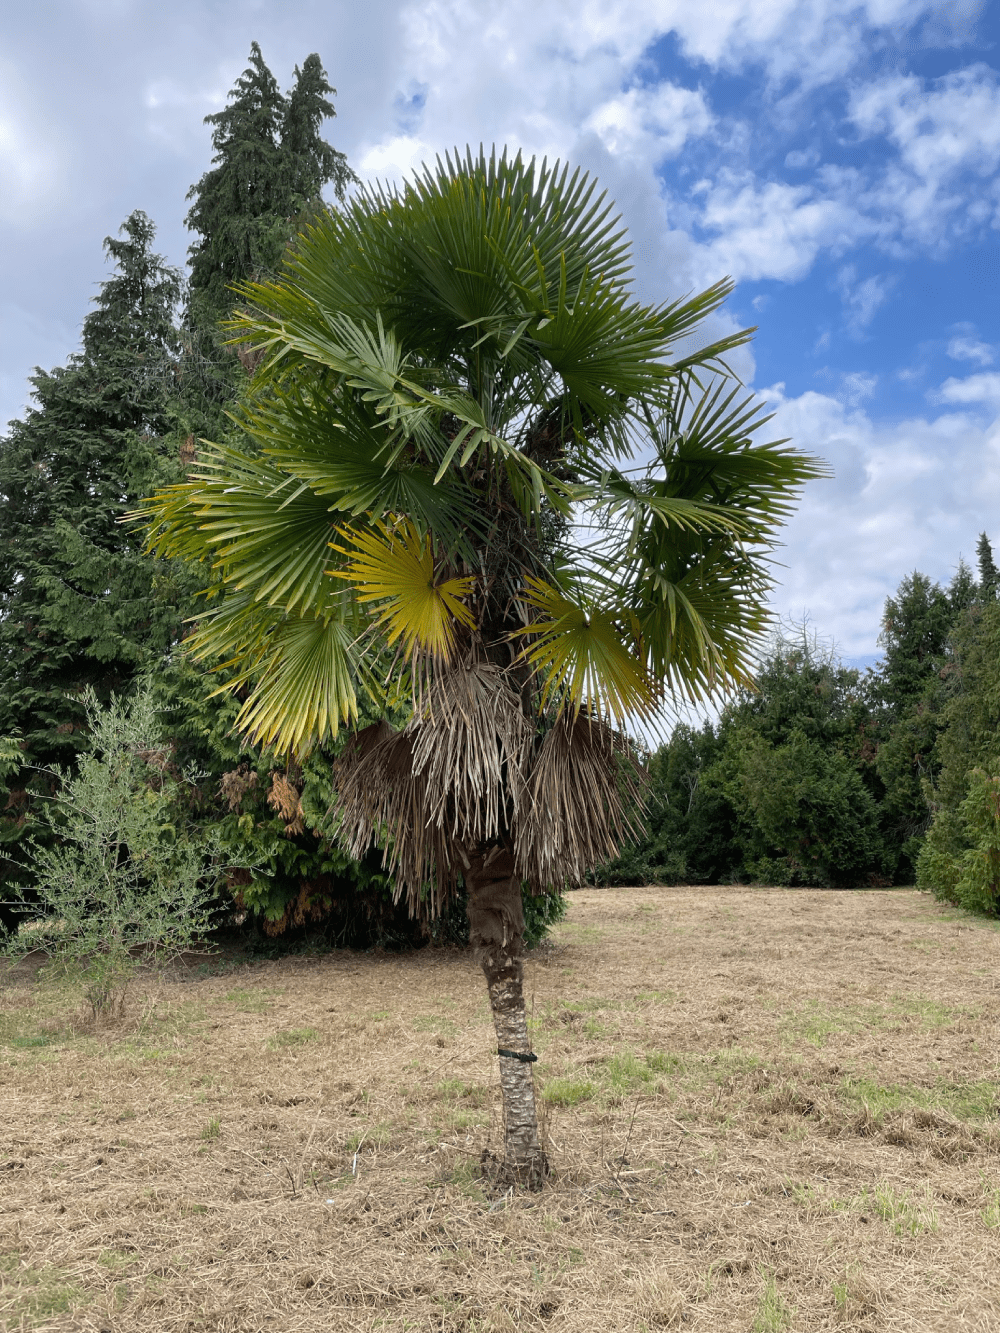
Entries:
{"x":379,"y":799}
{"x":584,"y":794}
{"x":471,"y":747}
{"x":453,"y":779}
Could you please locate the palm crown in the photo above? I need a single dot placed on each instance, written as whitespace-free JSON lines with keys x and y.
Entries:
{"x":473,"y":465}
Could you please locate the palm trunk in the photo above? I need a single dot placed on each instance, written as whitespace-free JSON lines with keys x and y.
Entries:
{"x":496,"y":931}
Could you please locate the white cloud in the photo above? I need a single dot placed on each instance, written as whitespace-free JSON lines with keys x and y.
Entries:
{"x":862,"y":299}
{"x":399,"y":156}
{"x":947,"y":135}
{"x":651,"y":123}
{"x":968,"y":349}
{"x":857,"y":386}
{"x":806,"y":41}
{"x":775,"y":230}
{"x":907,"y":495}
{"x":973,"y":389}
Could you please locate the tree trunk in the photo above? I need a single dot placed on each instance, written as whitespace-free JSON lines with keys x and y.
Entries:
{"x":496,"y":931}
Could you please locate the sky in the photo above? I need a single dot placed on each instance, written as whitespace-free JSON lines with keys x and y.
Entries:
{"x":839,"y":161}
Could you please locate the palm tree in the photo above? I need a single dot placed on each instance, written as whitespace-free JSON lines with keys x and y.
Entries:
{"x":477,"y":479}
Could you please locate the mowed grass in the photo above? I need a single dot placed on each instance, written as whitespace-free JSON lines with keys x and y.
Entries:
{"x":765,"y":1110}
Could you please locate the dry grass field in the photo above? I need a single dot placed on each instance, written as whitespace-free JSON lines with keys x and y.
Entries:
{"x":766,"y":1110}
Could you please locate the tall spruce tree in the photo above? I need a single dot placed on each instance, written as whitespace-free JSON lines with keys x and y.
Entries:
{"x":270,"y":169}
{"x":80,"y":604}
{"x":989,"y":575}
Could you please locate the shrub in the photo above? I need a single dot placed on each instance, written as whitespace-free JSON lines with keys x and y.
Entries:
{"x":960,"y":859}
{"x":124,"y":879}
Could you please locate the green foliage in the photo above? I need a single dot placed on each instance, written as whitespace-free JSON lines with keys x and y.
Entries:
{"x":81,"y":605}
{"x":960,"y":859}
{"x":827,"y":777}
{"x":125,"y":879}
{"x":270,"y":167}
{"x":79,"y":601}
{"x":541,"y":912}
{"x":781,"y":790}
{"x":275,"y":820}
{"x":989,"y":575}
{"x":808,"y":816}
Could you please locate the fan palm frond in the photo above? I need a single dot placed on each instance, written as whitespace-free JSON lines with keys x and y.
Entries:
{"x":394,"y":566}
{"x":577,"y":648}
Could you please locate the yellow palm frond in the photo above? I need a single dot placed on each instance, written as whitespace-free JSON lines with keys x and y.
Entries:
{"x":394,"y":566}
{"x":578,"y":650}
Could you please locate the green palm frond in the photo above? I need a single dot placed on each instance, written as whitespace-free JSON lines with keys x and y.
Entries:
{"x":458,"y":384}
{"x":267,"y":532}
{"x":299,"y":673}
{"x":303,"y":689}
{"x":336,"y":444}
{"x":578,"y":650}
{"x":394,"y":567}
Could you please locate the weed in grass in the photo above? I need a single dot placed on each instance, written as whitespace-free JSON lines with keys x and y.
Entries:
{"x":931,"y":1013}
{"x":28,"y":1043}
{"x":463,"y":1120}
{"x":964,"y":1101}
{"x":802,"y":1194}
{"x":457,"y":1089}
{"x":991,"y":1213}
{"x":897,"y":1208}
{"x":34,"y":1295}
{"x":660,"y":1062}
{"x":249,"y":1001}
{"x":114,"y":1259}
{"x":211,"y":1131}
{"x":773,"y":1314}
{"x":568,"y":1091}
{"x":373,"y":1138}
{"x":841,"y":1297}
{"x":626,"y":1074}
{"x":292,"y":1037}
{"x":816,"y":1024}
{"x":854,"y":1298}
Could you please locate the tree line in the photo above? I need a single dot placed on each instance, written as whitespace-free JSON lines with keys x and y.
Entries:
{"x":830,"y":776}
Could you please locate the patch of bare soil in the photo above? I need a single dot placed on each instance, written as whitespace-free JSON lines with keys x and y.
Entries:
{"x":766,"y":1110}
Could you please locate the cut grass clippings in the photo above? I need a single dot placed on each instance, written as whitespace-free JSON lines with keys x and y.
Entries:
{"x":765,"y":1110}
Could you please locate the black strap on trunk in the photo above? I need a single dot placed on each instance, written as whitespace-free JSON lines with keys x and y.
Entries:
{"x":526,"y":1057}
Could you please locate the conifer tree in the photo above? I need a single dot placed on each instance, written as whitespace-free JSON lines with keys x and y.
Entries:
{"x":80,"y":604}
{"x":989,"y":575}
{"x":270,"y":167}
